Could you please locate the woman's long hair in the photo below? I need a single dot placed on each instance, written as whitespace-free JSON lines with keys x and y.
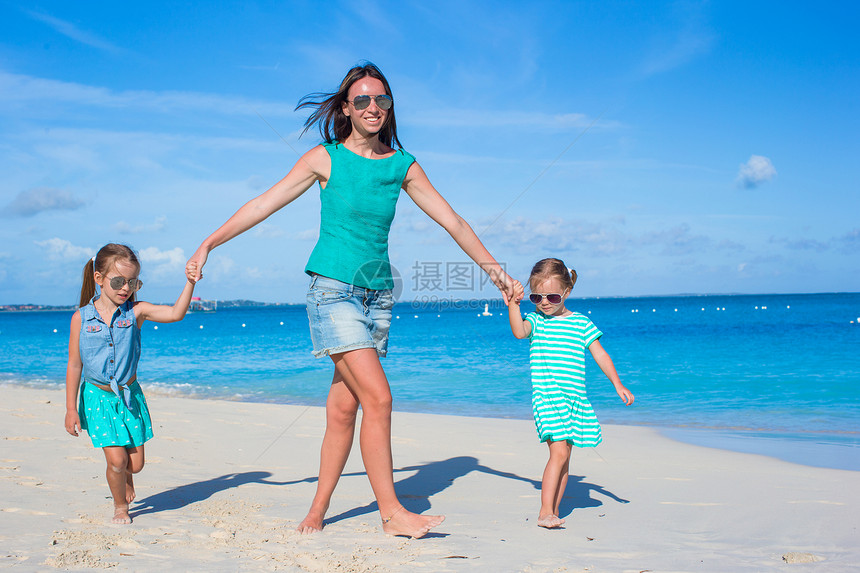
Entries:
{"x":102,"y":263}
{"x":333,"y":124}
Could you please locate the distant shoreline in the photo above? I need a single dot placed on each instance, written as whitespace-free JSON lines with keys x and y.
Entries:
{"x":253,"y":303}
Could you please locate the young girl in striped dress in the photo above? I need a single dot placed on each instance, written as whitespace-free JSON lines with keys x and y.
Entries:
{"x":563,"y":415}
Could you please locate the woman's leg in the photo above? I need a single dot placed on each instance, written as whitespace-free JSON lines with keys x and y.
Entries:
{"x":135,"y":464}
{"x":117,"y":462}
{"x":340,"y":410}
{"x":363,"y":374}
{"x":559,"y":457}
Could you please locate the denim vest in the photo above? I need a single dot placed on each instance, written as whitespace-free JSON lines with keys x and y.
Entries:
{"x":110,"y":353}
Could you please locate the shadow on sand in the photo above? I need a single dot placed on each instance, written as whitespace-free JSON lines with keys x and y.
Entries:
{"x":431,"y":478}
{"x":414,"y":491}
{"x":187,"y":494}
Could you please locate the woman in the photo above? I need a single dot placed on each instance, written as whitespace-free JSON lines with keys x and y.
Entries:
{"x":349,"y":301}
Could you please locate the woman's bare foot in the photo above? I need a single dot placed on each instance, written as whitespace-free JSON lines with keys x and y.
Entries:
{"x":120,"y":515}
{"x":312,"y":523}
{"x":404,"y":522}
{"x":550,"y":521}
{"x":129,"y":488}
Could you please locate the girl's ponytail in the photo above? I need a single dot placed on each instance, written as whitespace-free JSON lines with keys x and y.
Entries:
{"x":88,"y":286}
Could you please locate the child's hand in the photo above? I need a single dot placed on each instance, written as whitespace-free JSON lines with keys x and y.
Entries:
{"x":518,"y":293}
{"x":191,"y":272}
{"x":199,"y":259}
{"x":73,"y":423}
{"x":626,"y":395}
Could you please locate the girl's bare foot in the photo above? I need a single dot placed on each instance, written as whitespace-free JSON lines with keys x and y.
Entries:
{"x":129,"y":488}
{"x":312,"y":523}
{"x":404,"y":522}
{"x":120,"y":515}
{"x":550,"y":521}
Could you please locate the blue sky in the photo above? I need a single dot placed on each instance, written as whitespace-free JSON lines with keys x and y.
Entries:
{"x":659,"y":147}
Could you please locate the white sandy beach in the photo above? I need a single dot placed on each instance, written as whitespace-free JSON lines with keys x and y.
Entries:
{"x":227,"y":482}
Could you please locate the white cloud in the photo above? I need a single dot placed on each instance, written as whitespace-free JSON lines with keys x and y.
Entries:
{"x":555,"y":233}
{"x":683,"y":34}
{"x":174,"y":256}
{"x":850,"y":241}
{"x":307,"y":235}
{"x":33,"y":201}
{"x":71,"y":31}
{"x":756,"y":171}
{"x":687,"y":47}
{"x":36,"y":92}
{"x":125,"y":228}
{"x":677,"y":240}
{"x":63,"y":250}
{"x":162,"y":263}
{"x":268,"y":231}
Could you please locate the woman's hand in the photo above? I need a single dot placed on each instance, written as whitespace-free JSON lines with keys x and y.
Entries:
{"x":194,"y":266}
{"x":504,"y":283}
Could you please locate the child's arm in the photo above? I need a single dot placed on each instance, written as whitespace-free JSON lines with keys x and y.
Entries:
{"x":73,"y":376}
{"x":605,"y":362}
{"x":176,"y":312}
{"x":521,"y":328}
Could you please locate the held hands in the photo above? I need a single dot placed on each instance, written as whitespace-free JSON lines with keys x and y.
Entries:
{"x":191,"y":272}
{"x":198,"y":259}
{"x":518,"y":292}
{"x":504,"y":283}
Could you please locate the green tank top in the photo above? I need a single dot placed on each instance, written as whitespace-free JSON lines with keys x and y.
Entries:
{"x":357,"y":207}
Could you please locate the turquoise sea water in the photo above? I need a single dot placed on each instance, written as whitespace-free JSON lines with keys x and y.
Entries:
{"x":773,"y":374}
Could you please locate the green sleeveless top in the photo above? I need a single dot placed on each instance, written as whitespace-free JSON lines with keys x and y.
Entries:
{"x":358,"y":206}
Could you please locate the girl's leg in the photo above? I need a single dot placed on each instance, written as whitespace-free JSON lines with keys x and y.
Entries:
{"x":340,"y":411}
{"x":363,"y":374}
{"x":559,"y":459}
{"x":117,"y":462}
{"x":135,"y":464}
{"x":562,"y":482}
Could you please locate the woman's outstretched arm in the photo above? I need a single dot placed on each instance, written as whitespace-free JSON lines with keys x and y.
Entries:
{"x":315,"y":165}
{"x":418,"y":187}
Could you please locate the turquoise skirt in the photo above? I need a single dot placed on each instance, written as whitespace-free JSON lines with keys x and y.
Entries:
{"x":109,"y":422}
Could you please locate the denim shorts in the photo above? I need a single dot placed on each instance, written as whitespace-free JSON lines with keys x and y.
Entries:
{"x":346,"y":317}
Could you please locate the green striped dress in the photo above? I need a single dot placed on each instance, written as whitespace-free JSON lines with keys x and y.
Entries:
{"x":557,"y":356}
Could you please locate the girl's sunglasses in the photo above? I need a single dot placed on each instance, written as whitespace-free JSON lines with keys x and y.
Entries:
{"x":552,"y":298}
{"x":117,"y":283}
{"x":383,"y":102}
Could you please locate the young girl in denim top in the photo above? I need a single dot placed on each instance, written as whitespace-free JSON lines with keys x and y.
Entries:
{"x":104,"y":346}
{"x":360,"y":174}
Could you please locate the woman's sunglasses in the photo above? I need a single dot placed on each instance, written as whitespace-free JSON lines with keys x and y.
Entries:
{"x":383,"y":102}
{"x":117,"y":283}
{"x":552,"y":298}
